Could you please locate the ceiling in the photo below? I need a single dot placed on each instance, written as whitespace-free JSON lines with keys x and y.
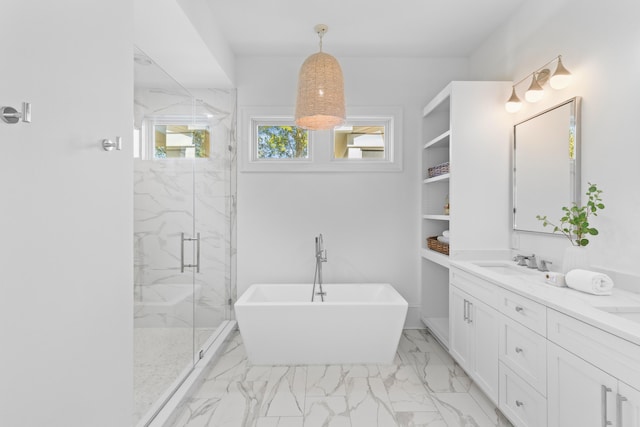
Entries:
{"x":360,"y":28}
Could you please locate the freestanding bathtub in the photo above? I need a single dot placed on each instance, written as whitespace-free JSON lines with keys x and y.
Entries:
{"x":357,"y":323}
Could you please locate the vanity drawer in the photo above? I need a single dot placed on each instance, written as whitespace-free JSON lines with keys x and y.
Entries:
{"x":524,"y":311}
{"x":480,"y":289}
{"x":525,"y":352}
{"x":524,"y":406}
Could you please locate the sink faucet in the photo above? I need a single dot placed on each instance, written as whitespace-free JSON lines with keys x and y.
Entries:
{"x":321,"y":256}
{"x":532,"y":262}
{"x":521,"y":259}
{"x":544,"y":265}
{"x":526,"y":260}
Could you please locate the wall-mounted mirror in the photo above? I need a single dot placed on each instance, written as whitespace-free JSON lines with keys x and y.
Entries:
{"x":546,"y":165}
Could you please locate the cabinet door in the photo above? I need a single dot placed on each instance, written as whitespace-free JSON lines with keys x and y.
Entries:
{"x":485,"y":337}
{"x":579,"y":394}
{"x":459,"y":327}
{"x":628,"y":401}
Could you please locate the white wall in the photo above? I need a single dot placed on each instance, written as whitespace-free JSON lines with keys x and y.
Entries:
{"x":66,"y":217}
{"x":600,"y":45}
{"x":369,"y":220}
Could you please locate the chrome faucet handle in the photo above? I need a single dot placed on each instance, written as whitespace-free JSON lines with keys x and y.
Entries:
{"x":532,"y":262}
{"x":544,"y":265}
{"x":520,"y":259}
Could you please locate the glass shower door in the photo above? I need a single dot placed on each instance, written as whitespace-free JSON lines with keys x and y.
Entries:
{"x":183,"y":222}
{"x":165,"y":249}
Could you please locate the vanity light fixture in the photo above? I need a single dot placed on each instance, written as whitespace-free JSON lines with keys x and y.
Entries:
{"x":560,"y":79}
{"x":513,"y":104}
{"x":535,"y":91}
{"x":320,"y":100}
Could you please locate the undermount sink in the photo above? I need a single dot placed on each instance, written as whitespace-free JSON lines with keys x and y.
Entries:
{"x":507,"y":269}
{"x":629,"y":313}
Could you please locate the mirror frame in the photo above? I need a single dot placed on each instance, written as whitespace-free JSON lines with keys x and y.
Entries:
{"x":573,"y":126}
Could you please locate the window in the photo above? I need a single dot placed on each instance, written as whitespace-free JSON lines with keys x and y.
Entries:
{"x":370,"y":141}
{"x":282,"y":142}
{"x":170,"y":137}
{"x":358,"y":142}
{"x":180,"y":141}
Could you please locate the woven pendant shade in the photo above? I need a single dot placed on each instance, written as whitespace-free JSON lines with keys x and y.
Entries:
{"x":320,"y":101}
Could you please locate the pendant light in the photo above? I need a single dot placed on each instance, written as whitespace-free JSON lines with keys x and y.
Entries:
{"x":320,"y":100}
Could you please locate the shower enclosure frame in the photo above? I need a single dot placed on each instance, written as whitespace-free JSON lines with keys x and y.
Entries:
{"x":176,"y":202}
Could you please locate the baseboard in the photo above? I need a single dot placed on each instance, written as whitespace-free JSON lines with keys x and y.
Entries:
{"x":413,"y":318}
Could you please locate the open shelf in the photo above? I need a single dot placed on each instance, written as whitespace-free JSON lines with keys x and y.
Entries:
{"x":436,"y":257}
{"x":441,"y":140}
{"x":440,"y":102}
{"x":436,"y":217}
{"x":439,"y":327}
{"x":443,"y":177}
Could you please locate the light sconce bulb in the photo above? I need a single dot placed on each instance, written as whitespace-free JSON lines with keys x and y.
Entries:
{"x":535,"y":91}
{"x":561,"y":78}
{"x":513,"y":104}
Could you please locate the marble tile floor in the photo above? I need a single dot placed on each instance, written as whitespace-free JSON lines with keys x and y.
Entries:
{"x":422,"y":387}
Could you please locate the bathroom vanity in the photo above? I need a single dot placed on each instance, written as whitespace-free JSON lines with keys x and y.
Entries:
{"x":546,"y":356}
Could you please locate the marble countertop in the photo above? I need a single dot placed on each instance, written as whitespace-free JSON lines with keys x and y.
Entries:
{"x":579,"y":305}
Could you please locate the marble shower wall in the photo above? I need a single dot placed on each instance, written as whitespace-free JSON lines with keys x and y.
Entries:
{"x":172,"y":196}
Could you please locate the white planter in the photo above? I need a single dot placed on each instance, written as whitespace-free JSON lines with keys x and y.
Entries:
{"x":575,"y":257}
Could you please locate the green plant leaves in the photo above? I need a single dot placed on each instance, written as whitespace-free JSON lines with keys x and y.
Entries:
{"x":574,"y":223}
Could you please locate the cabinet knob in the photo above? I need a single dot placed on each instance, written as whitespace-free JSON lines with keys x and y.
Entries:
{"x":519,"y":350}
{"x":519,"y":309}
{"x":519,"y":403}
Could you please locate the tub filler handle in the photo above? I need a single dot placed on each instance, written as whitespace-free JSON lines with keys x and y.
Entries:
{"x":189,"y":239}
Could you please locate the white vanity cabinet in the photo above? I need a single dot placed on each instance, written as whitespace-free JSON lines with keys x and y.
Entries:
{"x":579,"y":393}
{"x":523,"y":356}
{"x":628,"y":402}
{"x":473,"y":330}
{"x":582,"y":394}
{"x":541,"y":361}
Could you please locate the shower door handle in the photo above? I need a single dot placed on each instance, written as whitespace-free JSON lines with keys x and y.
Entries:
{"x":189,"y":239}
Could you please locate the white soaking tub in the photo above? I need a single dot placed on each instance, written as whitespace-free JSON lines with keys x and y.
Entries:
{"x":357,"y":323}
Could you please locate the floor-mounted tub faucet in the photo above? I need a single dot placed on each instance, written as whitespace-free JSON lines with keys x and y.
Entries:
{"x":321,"y":256}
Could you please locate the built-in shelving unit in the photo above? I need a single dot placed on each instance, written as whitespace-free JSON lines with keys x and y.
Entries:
{"x":435,"y":192}
{"x":465,"y":125}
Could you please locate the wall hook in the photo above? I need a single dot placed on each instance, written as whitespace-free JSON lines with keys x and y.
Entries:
{"x":109,"y":145}
{"x":12,"y":116}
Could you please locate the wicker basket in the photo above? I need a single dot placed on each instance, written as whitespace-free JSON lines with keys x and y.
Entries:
{"x":436,"y":170}
{"x":435,"y":245}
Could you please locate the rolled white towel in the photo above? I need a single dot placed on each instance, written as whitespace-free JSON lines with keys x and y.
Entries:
{"x":443,"y":239}
{"x":445,"y":233}
{"x":589,"y":281}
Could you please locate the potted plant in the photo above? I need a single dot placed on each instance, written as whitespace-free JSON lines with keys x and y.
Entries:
{"x":575,"y":225}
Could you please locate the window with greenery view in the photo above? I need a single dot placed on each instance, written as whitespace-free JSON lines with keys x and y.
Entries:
{"x":282,"y":142}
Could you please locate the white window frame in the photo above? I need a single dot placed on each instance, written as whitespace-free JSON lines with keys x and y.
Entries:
{"x":147,"y":132}
{"x":257,"y":121}
{"x":321,"y":152}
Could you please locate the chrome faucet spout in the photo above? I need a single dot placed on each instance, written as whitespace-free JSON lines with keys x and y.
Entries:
{"x":321,"y":256}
